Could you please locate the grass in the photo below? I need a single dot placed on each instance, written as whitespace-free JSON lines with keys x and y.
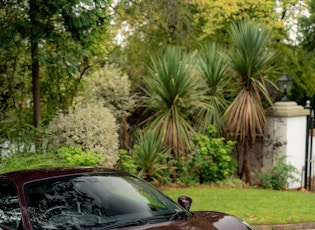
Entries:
{"x":255,"y":206}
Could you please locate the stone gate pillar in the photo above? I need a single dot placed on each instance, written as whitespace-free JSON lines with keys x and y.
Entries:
{"x":285,"y":134}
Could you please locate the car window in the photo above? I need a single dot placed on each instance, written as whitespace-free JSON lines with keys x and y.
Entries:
{"x":10,"y":212}
{"x":93,"y":200}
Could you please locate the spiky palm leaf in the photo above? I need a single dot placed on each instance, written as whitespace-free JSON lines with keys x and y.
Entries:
{"x":151,"y":158}
{"x":173,"y":92}
{"x":251,"y":61}
{"x":213,"y":69}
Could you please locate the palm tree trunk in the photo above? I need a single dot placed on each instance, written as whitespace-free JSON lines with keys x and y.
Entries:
{"x":246,"y":162}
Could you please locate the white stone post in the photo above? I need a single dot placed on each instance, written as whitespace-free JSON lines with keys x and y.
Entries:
{"x":285,"y":134}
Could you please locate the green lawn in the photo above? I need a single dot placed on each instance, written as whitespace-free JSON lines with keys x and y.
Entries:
{"x":255,"y":206}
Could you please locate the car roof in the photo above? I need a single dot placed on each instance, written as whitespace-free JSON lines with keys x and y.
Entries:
{"x":24,"y":176}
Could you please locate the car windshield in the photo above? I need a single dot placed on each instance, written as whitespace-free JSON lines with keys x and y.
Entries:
{"x":96,"y":201}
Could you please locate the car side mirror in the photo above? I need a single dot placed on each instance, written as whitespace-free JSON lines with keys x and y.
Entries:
{"x":185,"y":202}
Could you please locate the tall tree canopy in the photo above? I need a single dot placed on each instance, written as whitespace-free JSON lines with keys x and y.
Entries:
{"x":147,"y":26}
{"x":53,"y":43}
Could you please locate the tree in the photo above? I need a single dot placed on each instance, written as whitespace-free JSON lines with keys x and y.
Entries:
{"x":148,"y":26}
{"x":173,"y":95}
{"x":111,"y":88}
{"x":305,"y":88}
{"x":251,"y":61}
{"x":52,"y":28}
{"x":215,"y":17}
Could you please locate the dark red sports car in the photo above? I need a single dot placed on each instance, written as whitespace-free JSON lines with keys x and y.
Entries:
{"x":97,"y":198}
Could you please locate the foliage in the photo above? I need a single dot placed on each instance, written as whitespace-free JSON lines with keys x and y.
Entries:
{"x":213,"y":70}
{"x":212,"y":160}
{"x":303,"y":67}
{"x":64,"y":157}
{"x":230,"y":182}
{"x":173,"y":95}
{"x":126,"y":162}
{"x":279,"y":176}
{"x":185,"y":171}
{"x":215,"y":17}
{"x":48,"y":46}
{"x":110,"y":87}
{"x":151,"y":159}
{"x":148,"y":26}
{"x":16,"y":139}
{"x":91,"y":128}
{"x":21,"y":161}
{"x":77,"y":157}
{"x":251,"y":62}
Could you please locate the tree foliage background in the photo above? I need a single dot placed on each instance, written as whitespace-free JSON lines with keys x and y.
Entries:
{"x":51,"y":53}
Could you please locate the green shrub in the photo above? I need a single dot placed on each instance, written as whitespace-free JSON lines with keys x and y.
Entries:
{"x":91,"y":128}
{"x":278,"y":177}
{"x":230,"y":182}
{"x":185,"y":172}
{"x":149,"y":159}
{"x":65,"y":157}
{"x":72,"y":156}
{"x":212,"y":159}
{"x":126,"y":162}
{"x":21,"y":161}
{"x":111,"y":88}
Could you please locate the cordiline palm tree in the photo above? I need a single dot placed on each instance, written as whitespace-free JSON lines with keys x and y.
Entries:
{"x":251,"y":61}
{"x":214,"y":69}
{"x":173,"y":94}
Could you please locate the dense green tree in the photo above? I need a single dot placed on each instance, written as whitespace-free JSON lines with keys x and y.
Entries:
{"x":53,"y":42}
{"x":251,"y":62}
{"x":216,"y":16}
{"x":305,"y":65}
{"x":147,"y":26}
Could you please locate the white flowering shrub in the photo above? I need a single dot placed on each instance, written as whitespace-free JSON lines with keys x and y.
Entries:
{"x":111,"y":88}
{"x":91,"y":128}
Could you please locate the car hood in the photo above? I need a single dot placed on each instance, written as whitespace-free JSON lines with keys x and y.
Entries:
{"x":201,"y":220}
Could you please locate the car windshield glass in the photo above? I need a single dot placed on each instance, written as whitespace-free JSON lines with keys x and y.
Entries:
{"x":96,"y":200}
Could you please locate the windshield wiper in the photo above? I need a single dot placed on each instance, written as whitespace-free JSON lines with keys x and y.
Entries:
{"x":145,"y":220}
{"x":120,"y":224}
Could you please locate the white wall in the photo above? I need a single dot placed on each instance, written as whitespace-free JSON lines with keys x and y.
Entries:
{"x":285,"y":134}
{"x":296,"y":143}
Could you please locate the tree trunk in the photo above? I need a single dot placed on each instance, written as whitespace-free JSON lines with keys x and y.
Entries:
{"x":247,"y":162}
{"x":36,"y":87}
{"x":35,"y":66}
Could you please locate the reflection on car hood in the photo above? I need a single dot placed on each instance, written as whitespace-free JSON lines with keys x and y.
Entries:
{"x":200,"y":221}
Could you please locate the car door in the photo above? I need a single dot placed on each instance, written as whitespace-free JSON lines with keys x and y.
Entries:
{"x":10,"y":212}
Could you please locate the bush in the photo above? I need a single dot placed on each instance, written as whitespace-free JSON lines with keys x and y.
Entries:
{"x":71,"y":156}
{"x":149,"y":159}
{"x":90,"y":128}
{"x":212,"y":159}
{"x":65,"y":157}
{"x":110,"y":88}
{"x":279,"y":177}
{"x":126,"y":162}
